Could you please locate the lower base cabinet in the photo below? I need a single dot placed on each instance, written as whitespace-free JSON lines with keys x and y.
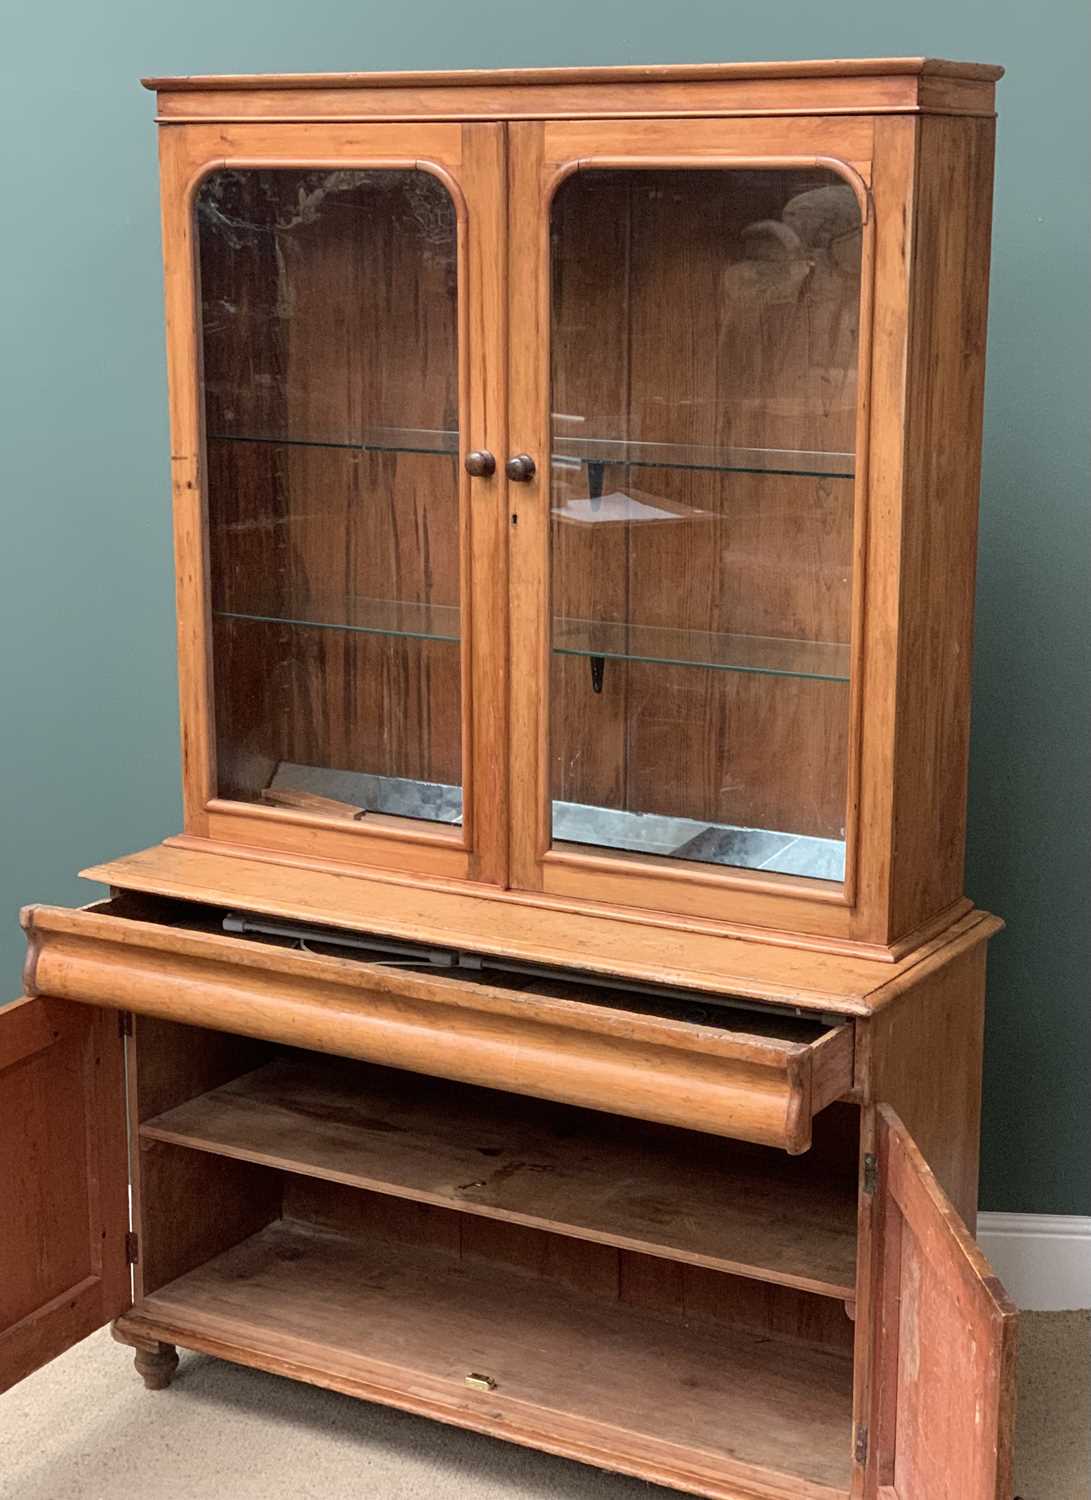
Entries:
{"x":709,"y":1313}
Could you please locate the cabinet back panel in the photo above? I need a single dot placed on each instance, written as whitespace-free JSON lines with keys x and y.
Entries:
{"x":678,"y":1291}
{"x":175,"y":1063}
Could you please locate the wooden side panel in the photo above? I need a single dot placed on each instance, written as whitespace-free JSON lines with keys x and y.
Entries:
{"x":944,"y":1336}
{"x":892,"y":201}
{"x":186,"y":1207}
{"x":945,"y":393}
{"x":64,"y":1267}
{"x":922,"y":1055}
{"x":194,"y":1206}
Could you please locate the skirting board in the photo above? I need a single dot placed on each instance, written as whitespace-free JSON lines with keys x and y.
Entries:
{"x":1044,"y":1260}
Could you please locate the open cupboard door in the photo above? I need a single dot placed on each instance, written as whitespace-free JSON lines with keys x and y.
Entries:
{"x":64,"y":1180}
{"x":944,"y":1340}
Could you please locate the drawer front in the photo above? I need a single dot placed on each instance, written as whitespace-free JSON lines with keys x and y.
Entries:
{"x":743,"y":1084}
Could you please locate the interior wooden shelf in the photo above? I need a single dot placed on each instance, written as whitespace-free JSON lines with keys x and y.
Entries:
{"x":561,"y":1369}
{"x":671,"y":1193}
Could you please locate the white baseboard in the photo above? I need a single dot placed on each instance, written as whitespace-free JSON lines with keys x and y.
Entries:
{"x":1044,"y":1260}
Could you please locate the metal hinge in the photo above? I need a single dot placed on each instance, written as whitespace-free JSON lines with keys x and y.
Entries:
{"x":859,"y":1450}
{"x":132,"y":1247}
{"x":871,"y":1172}
{"x":124,"y":1023}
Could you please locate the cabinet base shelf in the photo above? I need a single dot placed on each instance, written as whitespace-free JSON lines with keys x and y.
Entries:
{"x":720,"y":1412}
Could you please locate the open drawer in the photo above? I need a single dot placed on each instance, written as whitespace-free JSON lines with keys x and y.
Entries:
{"x":755,"y":1074}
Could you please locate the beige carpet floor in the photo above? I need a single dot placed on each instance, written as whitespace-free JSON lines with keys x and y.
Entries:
{"x":84,"y":1428}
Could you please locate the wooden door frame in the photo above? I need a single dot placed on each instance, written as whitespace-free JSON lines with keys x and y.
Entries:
{"x":900,"y":1195}
{"x":469,"y":160}
{"x":541,"y":156}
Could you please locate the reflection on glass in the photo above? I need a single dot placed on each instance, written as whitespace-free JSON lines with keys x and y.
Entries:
{"x":704,"y":369}
{"x":328,"y":322}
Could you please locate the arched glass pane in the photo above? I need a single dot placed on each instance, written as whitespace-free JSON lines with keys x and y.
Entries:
{"x":705,"y":330}
{"x":329,"y":343}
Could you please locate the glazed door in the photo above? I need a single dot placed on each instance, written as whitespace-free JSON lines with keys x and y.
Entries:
{"x":942,"y":1340}
{"x":686,"y":576}
{"x":341,"y":601}
{"x":64,"y":1180}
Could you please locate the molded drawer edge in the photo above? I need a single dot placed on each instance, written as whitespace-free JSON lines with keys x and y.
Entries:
{"x":703,"y":1077}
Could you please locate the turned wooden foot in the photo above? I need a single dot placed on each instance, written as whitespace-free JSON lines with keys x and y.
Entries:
{"x":156,"y":1366}
{"x":155,"y":1362}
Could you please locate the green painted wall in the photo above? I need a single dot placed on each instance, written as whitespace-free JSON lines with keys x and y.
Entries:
{"x":88,"y":746}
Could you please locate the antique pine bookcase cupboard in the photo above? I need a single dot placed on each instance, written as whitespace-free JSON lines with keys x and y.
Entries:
{"x":560,"y":1014}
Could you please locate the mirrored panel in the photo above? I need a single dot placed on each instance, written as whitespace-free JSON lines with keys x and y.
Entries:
{"x":705,"y":335}
{"x":330,"y":354}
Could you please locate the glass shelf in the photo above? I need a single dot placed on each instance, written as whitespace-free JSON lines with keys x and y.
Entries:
{"x":580,"y":452}
{"x":373,"y":440}
{"x":775,"y":656}
{"x":634,"y":454}
{"x":399,"y":617}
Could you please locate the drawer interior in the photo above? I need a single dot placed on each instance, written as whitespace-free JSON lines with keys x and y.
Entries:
{"x":594,"y":1272}
{"x":719,"y":1064}
{"x":724,"y":1012}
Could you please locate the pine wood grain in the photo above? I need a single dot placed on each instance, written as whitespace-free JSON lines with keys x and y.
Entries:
{"x":607,"y":939}
{"x":645,"y":755}
{"x":741,"y":1079}
{"x":945,"y":400}
{"x":944,"y":1343}
{"x":293,"y":521}
{"x":64,"y":1271}
{"x":923,"y":1056}
{"x":902,"y":713}
{"x":676,"y":1289}
{"x":681,"y":1196}
{"x":408,"y":1330}
{"x":740,"y":89}
{"x":856,"y":67}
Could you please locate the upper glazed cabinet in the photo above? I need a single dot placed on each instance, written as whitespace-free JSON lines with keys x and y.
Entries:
{"x":576,"y":484}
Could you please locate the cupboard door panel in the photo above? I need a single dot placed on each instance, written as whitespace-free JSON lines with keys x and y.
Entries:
{"x":345,"y":356}
{"x":686,"y":580}
{"x":64,"y":1268}
{"x":944,"y":1335}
